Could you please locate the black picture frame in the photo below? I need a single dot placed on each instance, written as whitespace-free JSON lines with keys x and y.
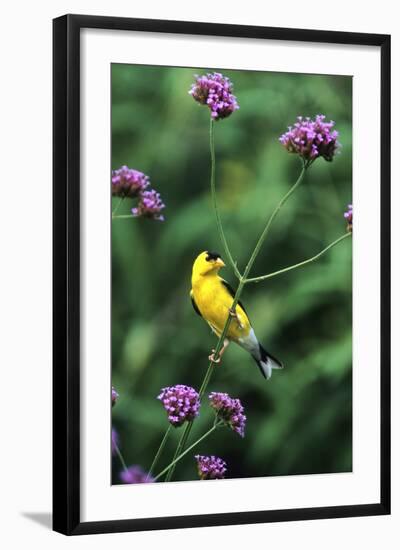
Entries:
{"x":66,"y":272}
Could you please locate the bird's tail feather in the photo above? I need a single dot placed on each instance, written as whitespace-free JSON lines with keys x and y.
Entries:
{"x":267,"y":363}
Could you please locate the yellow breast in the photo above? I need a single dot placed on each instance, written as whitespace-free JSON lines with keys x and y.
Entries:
{"x":214,"y":303}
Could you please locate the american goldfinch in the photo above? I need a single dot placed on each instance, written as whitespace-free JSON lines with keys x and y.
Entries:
{"x":212,"y":299}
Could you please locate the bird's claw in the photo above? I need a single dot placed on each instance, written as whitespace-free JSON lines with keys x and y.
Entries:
{"x":212,"y":357}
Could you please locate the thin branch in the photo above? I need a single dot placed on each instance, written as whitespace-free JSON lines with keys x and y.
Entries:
{"x":269,"y":222}
{"x":122,"y":216}
{"x":179,"y":457}
{"x":215,"y":204}
{"x":118,"y":205}
{"x":121,"y":458}
{"x":160,"y":450}
{"x":300,"y":264}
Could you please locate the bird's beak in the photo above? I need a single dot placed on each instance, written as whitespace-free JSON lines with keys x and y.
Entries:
{"x":219,"y":262}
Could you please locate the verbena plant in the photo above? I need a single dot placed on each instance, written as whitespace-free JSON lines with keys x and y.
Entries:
{"x":308,"y":139}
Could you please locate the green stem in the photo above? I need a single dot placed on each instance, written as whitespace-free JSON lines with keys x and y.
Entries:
{"x":180,"y":456}
{"x":119,"y":454}
{"x":118,"y":205}
{"x":160,"y":450}
{"x":215,"y":204}
{"x":300,"y":264}
{"x":242,"y":282}
{"x":269,"y":222}
{"x":122,"y":216}
{"x":179,"y":448}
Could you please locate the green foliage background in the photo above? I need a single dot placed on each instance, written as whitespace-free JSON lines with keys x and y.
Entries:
{"x":300,"y":421}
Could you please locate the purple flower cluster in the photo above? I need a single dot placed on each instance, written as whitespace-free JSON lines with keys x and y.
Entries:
{"x":127,"y":182}
{"x":135,"y":474}
{"x":215,"y":91}
{"x":149,"y":206}
{"x":114,"y":441}
{"x":114,"y":395}
{"x":181,"y":402}
{"x":210,"y":467}
{"x":229,"y":410}
{"x":311,"y":138}
{"x":349,"y":217}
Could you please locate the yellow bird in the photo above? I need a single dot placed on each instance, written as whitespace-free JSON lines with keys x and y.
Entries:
{"x":212,"y":299}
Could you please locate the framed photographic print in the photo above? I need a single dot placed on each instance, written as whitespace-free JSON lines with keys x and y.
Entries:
{"x":221,"y":326}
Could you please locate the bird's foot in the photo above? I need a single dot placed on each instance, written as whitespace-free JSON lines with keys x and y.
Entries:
{"x":234,"y":315}
{"x":214,"y":359}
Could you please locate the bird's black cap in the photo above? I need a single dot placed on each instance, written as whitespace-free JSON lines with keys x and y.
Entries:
{"x":212,"y":256}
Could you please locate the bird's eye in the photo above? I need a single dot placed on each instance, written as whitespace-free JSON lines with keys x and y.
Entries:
{"x":212,"y":256}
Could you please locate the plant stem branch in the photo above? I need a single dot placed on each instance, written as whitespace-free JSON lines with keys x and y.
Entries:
{"x":265,"y":232}
{"x":215,"y":204}
{"x":160,"y":450}
{"x":119,"y":454}
{"x":118,"y":205}
{"x":179,"y":448}
{"x":300,"y":264}
{"x":242,"y":282}
{"x":180,"y":456}
{"x":126,"y":216}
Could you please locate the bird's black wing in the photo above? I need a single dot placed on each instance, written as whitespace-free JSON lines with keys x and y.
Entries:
{"x":232,"y":293}
{"x":195,"y":305}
